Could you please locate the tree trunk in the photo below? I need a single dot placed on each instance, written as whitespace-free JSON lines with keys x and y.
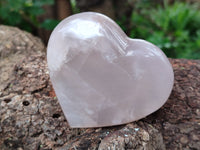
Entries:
{"x":102,"y":6}
{"x":63,"y":9}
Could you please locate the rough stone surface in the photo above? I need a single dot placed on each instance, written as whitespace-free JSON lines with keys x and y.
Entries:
{"x":15,"y":45}
{"x":31,"y":118}
{"x":137,"y":135}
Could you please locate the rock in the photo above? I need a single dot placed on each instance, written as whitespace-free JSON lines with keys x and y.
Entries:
{"x":15,"y":41}
{"x":31,"y":117}
{"x":131,"y":136}
{"x":15,"y":45}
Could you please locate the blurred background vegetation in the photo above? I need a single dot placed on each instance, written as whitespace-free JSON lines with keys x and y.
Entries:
{"x":174,"y":26}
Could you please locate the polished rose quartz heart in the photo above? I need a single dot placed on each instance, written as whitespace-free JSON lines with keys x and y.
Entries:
{"x":102,"y":77}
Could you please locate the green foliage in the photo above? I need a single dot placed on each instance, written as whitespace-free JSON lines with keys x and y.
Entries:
{"x":24,"y":13}
{"x":174,"y":28}
{"x":75,"y":9}
{"x":122,"y":23}
{"x":49,"y":24}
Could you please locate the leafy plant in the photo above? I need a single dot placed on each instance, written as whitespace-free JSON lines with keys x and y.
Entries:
{"x":75,"y":9}
{"x":24,"y":13}
{"x":174,"y":28}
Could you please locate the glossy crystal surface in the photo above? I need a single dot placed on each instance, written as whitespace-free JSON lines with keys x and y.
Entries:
{"x":102,"y":77}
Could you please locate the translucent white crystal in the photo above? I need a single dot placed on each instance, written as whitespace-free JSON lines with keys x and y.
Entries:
{"x":101,"y":77}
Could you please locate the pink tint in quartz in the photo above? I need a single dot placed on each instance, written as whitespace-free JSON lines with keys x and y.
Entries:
{"x":102,"y":77}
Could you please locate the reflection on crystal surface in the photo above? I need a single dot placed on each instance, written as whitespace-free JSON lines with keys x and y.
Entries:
{"x":101,"y":77}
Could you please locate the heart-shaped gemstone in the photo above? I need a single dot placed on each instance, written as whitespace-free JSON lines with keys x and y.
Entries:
{"x":102,"y":77}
